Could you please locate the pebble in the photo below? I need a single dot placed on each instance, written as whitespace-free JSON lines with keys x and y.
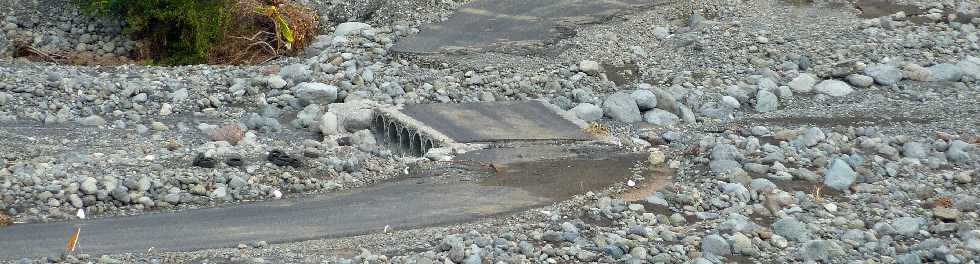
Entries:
{"x":907,"y":226}
{"x":661,"y":33}
{"x":92,"y":120}
{"x":590,"y":67}
{"x":859,"y":80}
{"x":963,"y":178}
{"x":159,"y":126}
{"x":716,"y":245}
{"x":276,"y":82}
{"x":791,"y":229}
{"x":946,"y":214}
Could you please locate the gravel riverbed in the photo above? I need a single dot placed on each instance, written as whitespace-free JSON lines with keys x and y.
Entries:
{"x":792,"y":132}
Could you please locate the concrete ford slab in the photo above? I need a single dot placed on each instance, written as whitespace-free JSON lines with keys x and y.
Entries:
{"x":417,"y":128}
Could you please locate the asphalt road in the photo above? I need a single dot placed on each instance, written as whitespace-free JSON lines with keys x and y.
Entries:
{"x":402,"y":205}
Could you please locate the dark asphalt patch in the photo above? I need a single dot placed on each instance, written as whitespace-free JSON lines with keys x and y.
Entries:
{"x":514,"y":26}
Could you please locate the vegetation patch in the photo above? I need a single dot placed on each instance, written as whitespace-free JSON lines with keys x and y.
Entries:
{"x":5,"y":220}
{"x":175,"y":32}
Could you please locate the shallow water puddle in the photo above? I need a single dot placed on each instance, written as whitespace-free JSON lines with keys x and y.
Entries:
{"x":564,"y":178}
{"x":880,"y":8}
{"x":622,"y":73}
{"x":844,"y":121}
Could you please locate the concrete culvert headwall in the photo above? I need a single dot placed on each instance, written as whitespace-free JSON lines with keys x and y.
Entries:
{"x":401,"y":138}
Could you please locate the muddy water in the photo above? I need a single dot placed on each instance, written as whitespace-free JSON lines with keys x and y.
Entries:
{"x":622,"y":73}
{"x":562,"y":179}
{"x":821,"y":121}
{"x":880,"y":8}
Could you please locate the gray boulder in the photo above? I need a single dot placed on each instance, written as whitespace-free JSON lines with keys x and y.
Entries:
{"x":815,"y":250}
{"x":791,"y":229}
{"x":621,"y":107}
{"x":909,"y":258}
{"x":766,"y":102}
{"x":959,"y":151}
{"x":89,"y":185}
{"x":645,"y":99}
{"x":945,"y":72}
{"x":725,"y":152}
{"x":297,"y":73}
{"x":884,"y":74}
{"x":813,"y":136}
{"x":915,"y":150}
{"x":716,"y":245}
{"x":907,"y":226}
{"x":970,"y":67}
{"x":353,"y":116}
{"x":587,"y":112}
{"x":307,"y":117}
{"x":833,"y":88}
{"x":803,"y":83}
{"x":666,"y":101}
{"x":364,"y":139}
{"x":316,"y":93}
{"x":660,"y":117}
{"x":839,"y":176}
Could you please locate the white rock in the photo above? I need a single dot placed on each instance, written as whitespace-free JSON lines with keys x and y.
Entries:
{"x":661,"y":33}
{"x":589,"y":66}
{"x":328,"y":124}
{"x":970,"y":67}
{"x":276,"y":82}
{"x":803,"y":83}
{"x":833,"y":88}
{"x":347,"y":28}
{"x":166,"y":109}
{"x":831,"y":207}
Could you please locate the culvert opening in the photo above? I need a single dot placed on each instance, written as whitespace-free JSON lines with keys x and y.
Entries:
{"x":400,"y":138}
{"x":416,"y":145}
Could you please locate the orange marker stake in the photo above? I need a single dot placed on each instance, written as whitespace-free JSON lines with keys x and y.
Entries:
{"x":73,"y":242}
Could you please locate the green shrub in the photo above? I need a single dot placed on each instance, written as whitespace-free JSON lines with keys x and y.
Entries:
{"x":176,"y":31}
